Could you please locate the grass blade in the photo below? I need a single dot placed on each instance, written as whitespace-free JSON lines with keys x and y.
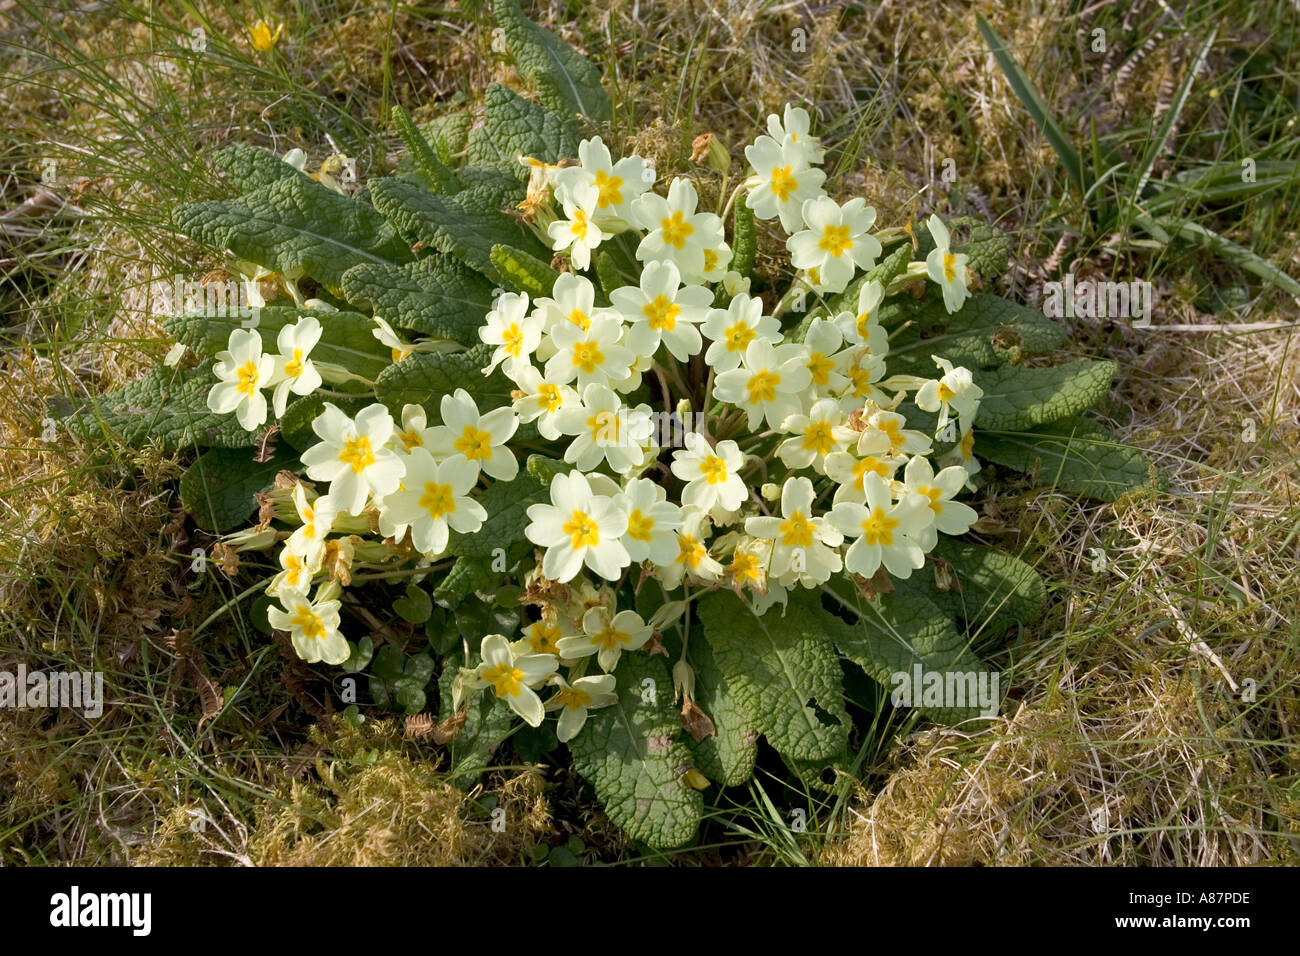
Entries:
{"x":1033,"y":102}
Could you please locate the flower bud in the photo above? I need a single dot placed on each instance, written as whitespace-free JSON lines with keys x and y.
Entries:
{"x":709,"y":148}
{"x":770,"y":491}
{"x":250,"y":539}
{"x":666,"y":614}
{"x":683,"y":680}
{"x":735,"y":284}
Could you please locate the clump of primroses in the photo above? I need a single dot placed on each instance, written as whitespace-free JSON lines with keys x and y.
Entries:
{"x":789,"y":460}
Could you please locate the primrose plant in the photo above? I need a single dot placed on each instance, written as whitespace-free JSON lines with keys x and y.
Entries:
{"x":527,"y":429}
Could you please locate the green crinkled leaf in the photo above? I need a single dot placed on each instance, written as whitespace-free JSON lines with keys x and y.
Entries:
{"x":565,"y":79}
{"x":488,"y":722}
{"x":507,"y":504}
{"x":422,"y":378}
{"x":744,"y":237}
{"x":632,"y":754}
{"x":465,"y":576}
{"x":457,"y":224}
{"x":293,"y":223}
{"x":218,"y":488}
{"x":250,"y":167}
{"x":438,"y":295}
{"x":1018,"y":398}
{"x":440,"y":175}
{"x":448,"y":133}
{"x":1075,"y":454}
{"x":988,"y":330}
{"x":608,"y":273}
{"x":727,"y":757}
{"x":895,"y":633}
{"x":513,"y":127}
{"x":987,"y":247}
{"x":346,"y":337}
{"x":996,"y":589}
{"x":782,"y":672}
{"x":492,"y":188}
{"x":169,"y":406}
{"x":523,"y":272}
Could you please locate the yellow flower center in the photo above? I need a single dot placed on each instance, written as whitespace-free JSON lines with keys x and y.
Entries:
{"x":819,"y":438}
{"x":891,"y":428}
{"x":574,"y":698}
{"x":714,"y":469}
{"x":745,"y":567}
{"x":710,"y":260}
{"x":437,"y":499}
{"x":783,"y":182}
{"x":864,"y":320}
{"x":294,"y":567}
{"x":861,"y":379}
{"x":579,"y":227}
{"x":639,"y":526}
{"x":797,"y":531}
{"x":949,"y":267}
{"x":248,"y":376}
{"x":604,"y":427}
{"x":588,"y":356}
{"x":513,"y":340}
{"x":411,"y":438}
{"x":676,"y":230}
{"x":945,"y":393}
{"x":609,"y":189}
{"x":549,"y":397}
{"x":293,"y":368}
{"x":582,"y":531}
{"x":662,"y":313}
{"x":580,"y":319}
{"x":762,"y":387}
{"x":835,"y":240}
{"x":870,"y":463}
{"x":879,"y":528}
{"x":967,"y":444}
{"x":542,"y":638}
{"x":820,"y":367}
{"x":474,"y":443}
{"x":936,"y":497}
{"x":738,"y":337}
{"x":610,"y":638}
{"x":506,"y":679}
{"x":690,"y":552}
{"x":357,"y":453}
{"x":308,"y":622}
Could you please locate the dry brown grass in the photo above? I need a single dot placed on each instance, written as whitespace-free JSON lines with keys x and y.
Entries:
{"x":374,"y":800}
{"x":1135,"y":739}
